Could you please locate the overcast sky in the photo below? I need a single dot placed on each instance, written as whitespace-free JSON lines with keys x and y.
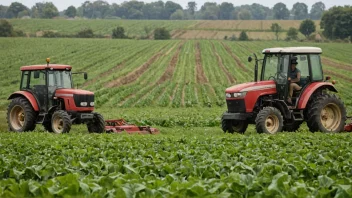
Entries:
{"x":63,"y":4}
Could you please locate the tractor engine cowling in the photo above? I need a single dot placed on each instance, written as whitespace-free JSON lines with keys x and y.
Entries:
{"x":76,"y":100}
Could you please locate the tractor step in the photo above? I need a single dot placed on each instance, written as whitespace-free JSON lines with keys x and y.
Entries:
{"x":41,"y":117}
{"x":297,"y":115}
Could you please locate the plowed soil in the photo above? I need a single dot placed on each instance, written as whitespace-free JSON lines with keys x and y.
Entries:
{"x":230,"y":78}
{"x":332,"y":63}
{"x":134,"y":75}
{"x":238,"y":61}
{"x":104,"y":74}
{"x":201,"y":78}
{"x":172,"y":65}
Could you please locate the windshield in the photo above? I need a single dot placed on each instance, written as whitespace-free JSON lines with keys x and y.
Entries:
{"x":275,"y":67}
{"x":60,"y":79}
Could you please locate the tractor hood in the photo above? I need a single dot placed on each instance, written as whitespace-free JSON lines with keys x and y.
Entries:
{"x":71,"y":92}
{"x":251,"y":86}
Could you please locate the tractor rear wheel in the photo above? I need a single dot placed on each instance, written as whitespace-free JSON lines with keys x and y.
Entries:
{"x":231,"y":126}
{"x":326,"y":113}
{"x":97,"y":125}
{"x":60,"y":122}
{"x":21,"y":115}
{"x":269,"y":120}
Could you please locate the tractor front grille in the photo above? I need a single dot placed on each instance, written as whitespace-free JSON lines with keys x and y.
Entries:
{"x":236,"y":106}
{"x":83,"y":98}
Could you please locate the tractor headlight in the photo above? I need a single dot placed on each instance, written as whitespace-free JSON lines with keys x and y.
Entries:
{"x":236,"y":95}
{"x":91,"y":104}
{"x":84,"y":104}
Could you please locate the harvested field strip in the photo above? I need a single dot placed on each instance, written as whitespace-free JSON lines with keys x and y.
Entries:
{"x":335,"y":64}
{"x":132,"y":76}
{"x":329,"y":72}
{"x":230,"y":78}
{"x":172,"y":65}
{"x":238,"y":61}
{"x":113,"y":69}
{"x":201,"y":78}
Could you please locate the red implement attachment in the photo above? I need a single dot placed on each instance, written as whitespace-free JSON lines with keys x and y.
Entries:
{"x":348,"y":127}
{"x":120,"y":125}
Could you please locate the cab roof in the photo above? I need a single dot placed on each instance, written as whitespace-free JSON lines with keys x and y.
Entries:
{"x":293,"y":50}
{"x":43,"y":67}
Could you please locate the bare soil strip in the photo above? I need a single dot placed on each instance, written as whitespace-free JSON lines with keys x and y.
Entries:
{"x":238,"y":61}
{"x":201,"y":78}
{"x":332,"y":63}
{"x":329,"y":72}
{"x":172,"y":65}
{"x":230,"y":78}
{"x":134,"y":75}
{"x":183,"y":96}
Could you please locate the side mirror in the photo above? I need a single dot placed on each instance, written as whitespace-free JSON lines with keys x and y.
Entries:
{"x":36,"y":74}
{"x":85,"y":76}
{"x":250,"y":59}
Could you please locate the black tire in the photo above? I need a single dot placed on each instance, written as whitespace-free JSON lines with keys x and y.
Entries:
{"x":231,"y":126}
{"x":60,"y":122}
{"x":292,"y":126}
{"x":47,"y":126}
{"x":326,"y":113}
{"x":97,"y":125}
{"x":21,"y":115}
{"x":269,"y":120}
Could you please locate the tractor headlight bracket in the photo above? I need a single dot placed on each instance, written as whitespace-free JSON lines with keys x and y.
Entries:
{"x":236,"y":95}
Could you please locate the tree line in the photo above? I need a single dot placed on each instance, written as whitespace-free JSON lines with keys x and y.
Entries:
{"x":159,"y":10}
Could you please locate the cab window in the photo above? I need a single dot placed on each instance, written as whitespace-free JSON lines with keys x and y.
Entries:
{"x":317,"y":73}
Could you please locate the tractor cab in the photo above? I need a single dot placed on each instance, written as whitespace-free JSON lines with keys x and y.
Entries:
{"x":292,"y":73}
{"x":283,"y":64}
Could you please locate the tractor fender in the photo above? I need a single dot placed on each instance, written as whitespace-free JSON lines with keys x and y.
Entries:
{"x":309,"y":91}
{"x":26,"y":95}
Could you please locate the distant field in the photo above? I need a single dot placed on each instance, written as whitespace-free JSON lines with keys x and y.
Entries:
{"x":256,"y":29}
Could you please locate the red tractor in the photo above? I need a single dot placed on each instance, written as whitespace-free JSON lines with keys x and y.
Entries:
{"x":47,"y":97}
{"x":264,"y":102}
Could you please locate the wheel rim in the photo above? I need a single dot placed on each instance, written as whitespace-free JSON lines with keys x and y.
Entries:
{"x":272,"y":124}
{"x":330,"y":117}
{"x":17,"y":117}
{"x":58,"y":124}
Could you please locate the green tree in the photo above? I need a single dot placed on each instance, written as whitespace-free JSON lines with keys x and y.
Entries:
{"x":161,"y":34}
{"x":118,"y":33}
{"x":171,"y":7}
{"x":226,"y":10}
{"x":71,"y":11}
{"x":258,"y":11}
{"x":280,"y":11}
{"x":192,"y":7}
{"x":210,"y":11}
{"x":317,"y":10}
{"x":307,"y":27}
{"x":292,"y":34}
{"x":153,"y":10}
{"x":276,"y":28}
{"x":300,"y":11}
{"x":85,"y":33}
{"x":177,"y":15}
{"x":244,"y":14}
{"x":14,"y":9}
{"x":243,"y":36}
{"x":3,"y":10}
{"x":6,"y":29}
{"x":337,"y":22}
{"x":50,"y":10}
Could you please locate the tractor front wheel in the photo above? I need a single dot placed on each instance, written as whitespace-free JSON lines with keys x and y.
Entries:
{"x":326,"y":113}
{"x":20,"y":115}
{"x":97,"y":125}
{"x":231,"y":126}
{"x":60,"y":122}
{"x":269,"y":120}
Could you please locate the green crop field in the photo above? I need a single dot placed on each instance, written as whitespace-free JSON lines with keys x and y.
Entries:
{"x":180,"y":29}
{"x":177,"y":86}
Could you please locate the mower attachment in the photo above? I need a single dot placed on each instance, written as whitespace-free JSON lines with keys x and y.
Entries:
{"x":120,"y":125}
